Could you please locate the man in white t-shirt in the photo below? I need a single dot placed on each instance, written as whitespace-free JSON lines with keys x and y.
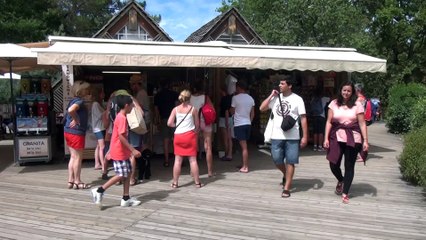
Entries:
{"x":285,"y":144}
{"x":242,"y":107}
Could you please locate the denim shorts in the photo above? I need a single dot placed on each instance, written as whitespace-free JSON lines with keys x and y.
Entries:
{"x":242,"y":133}
{"x":135,"y":139}
{"x":285,"y":151}
{"x":100,"y":135}
{"x":122,"y":168}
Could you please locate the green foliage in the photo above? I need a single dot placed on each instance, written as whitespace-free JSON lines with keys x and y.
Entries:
{"x":27,"y":21}
{"x":418,"y":114}
{"x":413,"y":158}
{"x":402,"y":99}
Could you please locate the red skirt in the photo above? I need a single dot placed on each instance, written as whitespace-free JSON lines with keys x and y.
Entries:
{"x":185,"y":144}
{"x":74,"y":141}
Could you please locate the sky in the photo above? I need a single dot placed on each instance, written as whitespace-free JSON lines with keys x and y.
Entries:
{"x":180,"y":18}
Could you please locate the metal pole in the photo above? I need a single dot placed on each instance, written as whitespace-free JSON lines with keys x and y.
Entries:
{"x":12,"y":98}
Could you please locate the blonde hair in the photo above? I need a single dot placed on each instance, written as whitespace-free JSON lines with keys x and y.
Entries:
{"x":184,"y":96}
{"x":78,"y":88}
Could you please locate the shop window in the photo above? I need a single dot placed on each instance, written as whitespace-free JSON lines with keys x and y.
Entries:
{"x":139,"y":34}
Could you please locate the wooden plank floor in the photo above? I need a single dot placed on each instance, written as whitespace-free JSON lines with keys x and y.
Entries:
{"x":35,"y":203}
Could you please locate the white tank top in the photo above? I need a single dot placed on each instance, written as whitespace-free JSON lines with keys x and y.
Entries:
{"x":187,"y":123}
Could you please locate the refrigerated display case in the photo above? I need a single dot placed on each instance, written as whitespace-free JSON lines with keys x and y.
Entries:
{"x":32,"y":135}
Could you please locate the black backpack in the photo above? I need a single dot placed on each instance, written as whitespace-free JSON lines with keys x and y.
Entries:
{"x":114,"y":109}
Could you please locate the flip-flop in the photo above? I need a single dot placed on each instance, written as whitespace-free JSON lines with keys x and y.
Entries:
{"x":285,"y":194}
{"x":199,"y":185}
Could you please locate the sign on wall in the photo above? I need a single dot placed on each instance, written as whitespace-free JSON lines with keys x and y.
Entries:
{"x":33,"y":147}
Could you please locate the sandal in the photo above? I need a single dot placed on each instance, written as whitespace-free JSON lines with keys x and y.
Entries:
{"x":345,"y":198}
{"x":134,"y":182}
{"x":285,"y":194}
{"x":82,"y":185}
{"x":70,"y":185}
{"x":166,"y":164}
{"x":199,"y":185}
{"x":174,"y":185}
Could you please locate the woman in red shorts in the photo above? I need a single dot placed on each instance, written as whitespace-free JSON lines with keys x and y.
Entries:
{"x":75,"y":126}
{"x":185,"y":119}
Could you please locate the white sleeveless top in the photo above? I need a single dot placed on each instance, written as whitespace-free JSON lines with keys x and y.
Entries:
{"x":187,"y":123}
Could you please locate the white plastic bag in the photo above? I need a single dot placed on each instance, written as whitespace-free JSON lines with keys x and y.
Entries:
{"x":268,"y":130}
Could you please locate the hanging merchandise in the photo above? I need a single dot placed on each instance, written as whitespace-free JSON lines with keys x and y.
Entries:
{"x":25,"y":84}
{"x":35,"y":85}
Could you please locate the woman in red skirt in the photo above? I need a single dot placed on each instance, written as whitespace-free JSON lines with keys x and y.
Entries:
{"x":185,"y":119}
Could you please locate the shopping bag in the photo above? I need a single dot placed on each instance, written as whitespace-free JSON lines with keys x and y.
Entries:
{"x":136,"y":121}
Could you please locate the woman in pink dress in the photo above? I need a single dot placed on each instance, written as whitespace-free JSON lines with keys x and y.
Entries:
{"x":184,"y":118}
{"x":345,"y":134}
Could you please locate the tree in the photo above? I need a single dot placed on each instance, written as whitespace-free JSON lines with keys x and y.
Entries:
{"x":27,"y":21}
{"x":390,"y":29}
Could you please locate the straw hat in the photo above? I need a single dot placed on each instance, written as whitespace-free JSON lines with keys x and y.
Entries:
{"x":136,"y":78}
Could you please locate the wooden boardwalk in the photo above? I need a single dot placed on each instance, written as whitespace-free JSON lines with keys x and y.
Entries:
{"x":35,"y":203}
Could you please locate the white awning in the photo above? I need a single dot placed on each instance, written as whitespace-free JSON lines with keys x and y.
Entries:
{"x":106,"y":52}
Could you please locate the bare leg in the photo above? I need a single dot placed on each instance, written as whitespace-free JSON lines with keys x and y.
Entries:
{"x":229,"y":140}
{"x":177,"y":169}
{"x":224,"y":134}
{"x":244,"y":149}
{"x":134,"y":166}
{"x":97,"y":159}
{"x":71,"y":177}
{"x":115,"y":179}
{"x":126,"y":186}
{"x":209,"y":155}
{"x":289,"y":176}
{"x":75,"y":164}
{"x":194,"y":169}
{"x":101,"y":146}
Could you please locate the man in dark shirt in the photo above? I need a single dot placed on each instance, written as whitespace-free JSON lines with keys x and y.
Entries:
{"x":164,"y":101}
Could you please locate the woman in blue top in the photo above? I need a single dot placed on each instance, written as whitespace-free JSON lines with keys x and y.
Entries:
{"x":76,"y":118}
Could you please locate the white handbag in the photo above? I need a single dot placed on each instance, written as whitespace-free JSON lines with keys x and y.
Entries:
{"x":269,"y":129}
{"x":136,"y":121}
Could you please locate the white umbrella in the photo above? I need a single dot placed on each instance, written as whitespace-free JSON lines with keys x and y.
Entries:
{"x":16,"y":58}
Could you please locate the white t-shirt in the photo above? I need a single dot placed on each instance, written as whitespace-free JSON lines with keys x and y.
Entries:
{"x":292,"y":104}
{"x":97,"y":111}
{"x":243,"y":103}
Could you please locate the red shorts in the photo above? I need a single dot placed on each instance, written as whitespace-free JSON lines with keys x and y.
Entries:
{"x":74,"y":141}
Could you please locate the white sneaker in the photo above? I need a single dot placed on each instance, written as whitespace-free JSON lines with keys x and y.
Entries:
{"x":130,"y":203}
{"x":97,"y":197}
{"x":320,"y":149}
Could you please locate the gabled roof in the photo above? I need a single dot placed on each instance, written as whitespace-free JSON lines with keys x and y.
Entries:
{"x":212,"y":30}
{"x":113,"y":25}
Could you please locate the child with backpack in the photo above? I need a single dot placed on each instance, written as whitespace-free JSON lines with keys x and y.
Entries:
{"x":120,"y":152}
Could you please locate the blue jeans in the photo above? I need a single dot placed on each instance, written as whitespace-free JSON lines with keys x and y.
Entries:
{"x":285,"y":151}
